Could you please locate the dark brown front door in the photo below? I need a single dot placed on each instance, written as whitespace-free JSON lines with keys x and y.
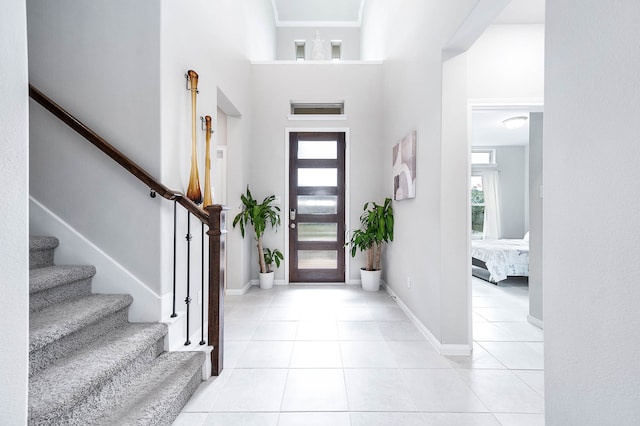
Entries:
{"x":316,"y":207}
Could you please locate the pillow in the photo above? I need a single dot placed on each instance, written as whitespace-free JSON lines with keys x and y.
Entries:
{"x":526,"y":236}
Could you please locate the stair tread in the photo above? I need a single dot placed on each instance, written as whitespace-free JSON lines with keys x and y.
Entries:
{"x":88,"y":365}
{"x":64,"y":318}
{"x":65,"y":383}
{"x":53,"y":276}
{"x":151,"y":394}
{"x":37,"y":243}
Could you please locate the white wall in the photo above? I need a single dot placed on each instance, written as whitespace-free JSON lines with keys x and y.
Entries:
{"x":455,"y":212}
{"x":274,"y":86}
{"x":102,"y":66}
{"x":507,"y":62}
{"x":126,"y":80}
{"x":239,"y":249}
{"x":222,"y":127}
{"x":373,"y":32}
{"x":535,"y":217}
{"x":413,"y":36}
{"x":14,"y":258}
{"x":260,"y":30}
{"x":511,"y":165}
{"x":591,"y":251}
{"x":286,"y":37}
{"x":221,"y":66}
{"x":223,"y":35}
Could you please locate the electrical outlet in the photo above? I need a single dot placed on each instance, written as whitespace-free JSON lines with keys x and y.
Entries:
{"x":408,"y":282}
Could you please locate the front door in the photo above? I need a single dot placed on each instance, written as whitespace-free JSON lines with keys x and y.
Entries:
{"x":316,"y":207}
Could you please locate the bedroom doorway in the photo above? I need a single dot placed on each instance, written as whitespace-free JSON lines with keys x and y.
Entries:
{"x":506,"y":207}
{"x":492,"y":67}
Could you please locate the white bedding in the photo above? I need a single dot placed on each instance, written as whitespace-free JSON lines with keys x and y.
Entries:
{"x":503,"y":257}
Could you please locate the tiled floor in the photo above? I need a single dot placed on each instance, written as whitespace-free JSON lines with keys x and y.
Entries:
{"x":338,"y":356}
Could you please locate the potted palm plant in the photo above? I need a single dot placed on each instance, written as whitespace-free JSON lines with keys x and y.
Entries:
{"x":258,"y":216}
{"x":376,"y":229}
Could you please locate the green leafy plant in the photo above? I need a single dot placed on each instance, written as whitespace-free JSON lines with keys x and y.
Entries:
{"x":271,"y":257}
{"x":258,"y":216}
{"x":376,"y":229}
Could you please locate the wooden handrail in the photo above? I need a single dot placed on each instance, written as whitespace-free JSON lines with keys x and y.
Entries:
{"x":214,"y":217}
{"x":116,"y":155}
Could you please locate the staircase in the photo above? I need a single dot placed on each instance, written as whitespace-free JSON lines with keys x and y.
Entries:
{"x":87,"y":364}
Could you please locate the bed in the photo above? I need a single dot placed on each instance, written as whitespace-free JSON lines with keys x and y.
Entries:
{"x":502,"y":258}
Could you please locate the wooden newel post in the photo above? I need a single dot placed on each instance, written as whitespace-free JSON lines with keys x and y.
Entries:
{"x":217,"y":252}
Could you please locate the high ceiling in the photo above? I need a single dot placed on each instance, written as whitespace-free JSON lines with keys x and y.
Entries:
{"x":487,"y":128}
{"x":349,"y":12}
{"x":522,"y":12}
{"x":318,"y":12}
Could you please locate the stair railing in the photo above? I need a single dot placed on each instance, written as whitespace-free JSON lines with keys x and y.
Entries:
{"x":214,"y":217}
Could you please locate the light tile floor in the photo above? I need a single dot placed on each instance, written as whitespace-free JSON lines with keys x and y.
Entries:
{"x":339,"y":356}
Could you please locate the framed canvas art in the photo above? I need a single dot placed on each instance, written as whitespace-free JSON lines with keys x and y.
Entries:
{"x":404,"y":168}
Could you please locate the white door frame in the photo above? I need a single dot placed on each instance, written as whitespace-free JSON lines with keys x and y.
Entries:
{"x":528,"y":104}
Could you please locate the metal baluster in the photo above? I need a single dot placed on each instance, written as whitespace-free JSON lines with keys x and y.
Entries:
{"x":175,"y":205}
{"x":187,"y":299}
{"x":202,"y":341}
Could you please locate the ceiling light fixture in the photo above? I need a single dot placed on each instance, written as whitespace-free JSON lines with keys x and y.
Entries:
{"x":514,"y":122}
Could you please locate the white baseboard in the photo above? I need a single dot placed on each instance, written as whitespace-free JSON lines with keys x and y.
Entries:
{"x":111,"y":276}
{"x":316,"y":284}
{"x":239,"y":291}
{"x":535,"y":321}
{"x":355,"y":282}
{"x":443,"y":349}
{"x":247,"y":286}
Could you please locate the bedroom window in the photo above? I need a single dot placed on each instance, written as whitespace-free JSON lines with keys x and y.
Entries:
{"x":483,"y":167}
{"x":477,"y":208}
{"x":483,"y":156}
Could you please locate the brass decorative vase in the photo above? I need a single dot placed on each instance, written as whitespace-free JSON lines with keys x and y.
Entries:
{"x":208,"y":198}
{"x":193,"y":190}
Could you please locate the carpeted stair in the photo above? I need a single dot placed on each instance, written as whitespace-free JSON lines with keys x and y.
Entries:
{"x":87,"y":364}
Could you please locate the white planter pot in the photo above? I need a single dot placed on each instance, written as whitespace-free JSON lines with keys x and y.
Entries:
{"x":370,"y":280}
{"x":266,"y":280}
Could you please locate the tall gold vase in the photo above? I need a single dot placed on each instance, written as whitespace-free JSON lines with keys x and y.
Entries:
{"x":193,"y":190}
{"x":208,"y":198}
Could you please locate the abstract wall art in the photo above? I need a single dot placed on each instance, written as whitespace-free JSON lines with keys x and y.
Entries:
{"x":404,"y":168}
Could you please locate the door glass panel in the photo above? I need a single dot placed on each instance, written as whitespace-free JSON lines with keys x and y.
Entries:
{"x":317,"y":177}
{"x":317,"y":232}
{"x":324,"y":150}
{"x":317,"y":259}
{"x":317,"y":204}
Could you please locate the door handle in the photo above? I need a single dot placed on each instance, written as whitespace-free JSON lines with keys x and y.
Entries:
{"x":292,"y":225}
{"x":292,"y":214}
